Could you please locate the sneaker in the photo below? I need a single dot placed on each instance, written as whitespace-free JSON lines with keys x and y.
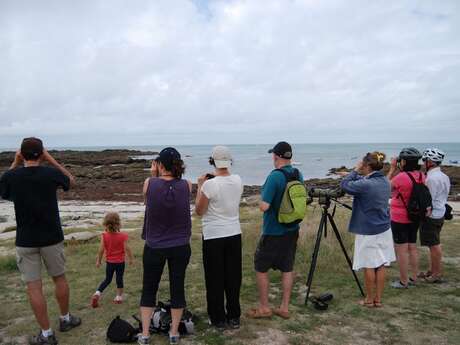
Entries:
{"x":398,"y":285}
{"x":141,"y":340}
{"x":234,"y":323}
{"x":174,"y":339}
{"x":42,"y":340}
{"x":118,"y":300}
{"x":220,"y":326}
{"x":73,"y":322}
{"x":95,"y":300}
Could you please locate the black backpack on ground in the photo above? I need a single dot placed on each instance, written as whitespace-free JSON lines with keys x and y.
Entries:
{"x":419,"y":201}
{"x":121,"y":331}
{"x":161,"y":320}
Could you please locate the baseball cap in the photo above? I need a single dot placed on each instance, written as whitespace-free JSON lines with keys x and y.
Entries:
{"x":31,"y":148}
{"x":282,"y":149}
{"x":168,"y":155}
{"x":221,"y":156}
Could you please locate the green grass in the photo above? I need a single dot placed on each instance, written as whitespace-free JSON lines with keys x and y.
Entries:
{"x":427,"y":314}
{"x":8,"y":264}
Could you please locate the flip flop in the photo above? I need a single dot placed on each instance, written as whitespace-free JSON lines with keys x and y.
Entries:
{"x":283,"y":314}
{"x":366,"y":304}
{"x":378,"y":304}
{"x":256,"y":314}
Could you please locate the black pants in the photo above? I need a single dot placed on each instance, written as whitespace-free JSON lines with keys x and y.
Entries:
{"x":110,"y":269}
{"x":222,"y":269}
{"x":154,"y":261}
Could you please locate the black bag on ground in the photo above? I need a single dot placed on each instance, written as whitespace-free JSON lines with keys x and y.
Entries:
{"x":121,"y":331}
{"x":448,"y":215}
{"x":419,"y":201}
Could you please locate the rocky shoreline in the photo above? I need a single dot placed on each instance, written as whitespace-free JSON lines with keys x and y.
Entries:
{"x":114,"y":175}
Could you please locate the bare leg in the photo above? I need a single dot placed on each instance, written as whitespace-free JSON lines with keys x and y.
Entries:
{"x":263,"y":285}
{"x":436,"y":260}
{"x":38,"y":303}
{"x":176,"y":315}
{"x":119,"y":292}
{"x":288,"y":281}
{"x":369,"y":282}
{"x":62,"y":293}
{"x":402,"y":255}
{"x":380,"y":283}
{"x":413,"y":260}
{"x":146,"y":315}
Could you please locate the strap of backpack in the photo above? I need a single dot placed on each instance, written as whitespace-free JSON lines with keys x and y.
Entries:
{"x":289,"y":176}
{"x":400,"y":195}
{"x":402,"y":199}
{"x":412,"y":178}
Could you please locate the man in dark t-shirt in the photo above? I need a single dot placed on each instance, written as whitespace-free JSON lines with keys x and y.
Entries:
{"x":39,"y":235}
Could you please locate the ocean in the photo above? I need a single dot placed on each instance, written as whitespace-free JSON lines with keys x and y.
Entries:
{"x":253,"y":163}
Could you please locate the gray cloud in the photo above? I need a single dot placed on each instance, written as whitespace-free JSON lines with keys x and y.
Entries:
{"x":170,"y":71}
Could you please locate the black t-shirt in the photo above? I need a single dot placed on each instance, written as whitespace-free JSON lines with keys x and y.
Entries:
{"x":33,"y":191}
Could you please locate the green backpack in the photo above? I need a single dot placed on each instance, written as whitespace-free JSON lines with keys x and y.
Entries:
{"x":293,"y":207}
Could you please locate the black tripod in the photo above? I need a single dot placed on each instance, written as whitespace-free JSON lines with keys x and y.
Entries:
{"x":325,"y":204}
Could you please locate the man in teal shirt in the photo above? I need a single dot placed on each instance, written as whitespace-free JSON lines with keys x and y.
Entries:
{"x":278,"y":243}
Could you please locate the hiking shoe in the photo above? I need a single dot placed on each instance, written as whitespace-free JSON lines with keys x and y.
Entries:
{"x":95,"y":300}
{"x":398,"y":285}
{"x":141,"y":340}
{"x":220,"y":326}
{"x":434,"y":280}
{"x":42,"y":340}
{"x":73,"y":322}
{"x":174,"y":339}
{"x":234,"y":323}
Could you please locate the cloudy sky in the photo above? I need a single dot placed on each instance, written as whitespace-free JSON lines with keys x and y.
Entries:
{"x":190,"y":72}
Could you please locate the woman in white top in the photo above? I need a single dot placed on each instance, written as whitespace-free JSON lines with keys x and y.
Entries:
{"x":218,"y":202}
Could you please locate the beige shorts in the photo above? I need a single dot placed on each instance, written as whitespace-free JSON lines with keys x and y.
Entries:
{"x":29,"y":261}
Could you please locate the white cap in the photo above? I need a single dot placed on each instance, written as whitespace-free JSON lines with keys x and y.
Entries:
{"x":222,"y":157}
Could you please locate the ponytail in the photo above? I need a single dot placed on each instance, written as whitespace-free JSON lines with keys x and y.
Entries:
{"x":176,"y":167}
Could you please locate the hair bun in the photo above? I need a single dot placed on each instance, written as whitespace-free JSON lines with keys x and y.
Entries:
{"x":380,"y":156}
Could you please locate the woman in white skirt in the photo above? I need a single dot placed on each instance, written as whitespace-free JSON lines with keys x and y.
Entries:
{"x":370,"y":222}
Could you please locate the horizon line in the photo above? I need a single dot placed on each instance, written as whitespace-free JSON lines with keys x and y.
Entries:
{"x":239,"y":144}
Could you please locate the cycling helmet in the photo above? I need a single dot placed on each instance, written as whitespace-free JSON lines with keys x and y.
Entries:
{"x":433,"y":154}
{"x":410,"y":153}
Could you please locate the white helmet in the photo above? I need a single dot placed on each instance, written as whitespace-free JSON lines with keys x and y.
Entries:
{"x":434,"y":155}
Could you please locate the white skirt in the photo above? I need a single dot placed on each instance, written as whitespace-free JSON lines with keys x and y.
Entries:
{"x":373,"y":251}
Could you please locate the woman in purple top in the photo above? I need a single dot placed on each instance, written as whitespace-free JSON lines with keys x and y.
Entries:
{"x":167,"y":231}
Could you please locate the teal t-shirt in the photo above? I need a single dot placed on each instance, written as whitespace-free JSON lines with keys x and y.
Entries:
{"x":272,"y":193}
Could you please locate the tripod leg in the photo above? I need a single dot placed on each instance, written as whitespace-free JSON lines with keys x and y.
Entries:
{"x":339,"y":238}
{"x":314,"y":256}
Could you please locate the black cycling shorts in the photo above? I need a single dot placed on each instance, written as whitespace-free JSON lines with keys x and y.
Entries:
{"x":404,"y":232}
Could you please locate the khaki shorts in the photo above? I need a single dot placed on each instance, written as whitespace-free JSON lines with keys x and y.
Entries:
{"x":430,"y":232}
{"x":29,"y":261}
